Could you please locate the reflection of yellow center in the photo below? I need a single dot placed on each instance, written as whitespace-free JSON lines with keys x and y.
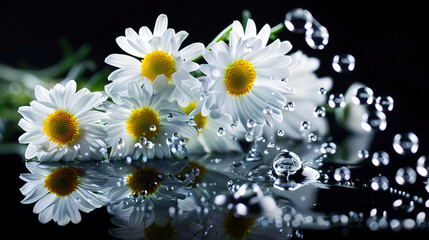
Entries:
{"x":61,"y":127}
{"x":155,"y":232}
{"x":144,"y":181}
{"x":237,"y":227}
{"x":199,"y":119}
{"x":156,"y":63}
{"x":143,"y":122}
{"x":188,"y":170}
{"x":239,"y":78}
{"x":62,"y":181}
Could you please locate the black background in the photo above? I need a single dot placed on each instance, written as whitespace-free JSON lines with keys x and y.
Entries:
{"x":389,"y":41}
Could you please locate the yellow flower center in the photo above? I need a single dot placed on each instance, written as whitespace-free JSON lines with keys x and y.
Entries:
{"x":144,"y":181}
{"x":62,"y":181}
{"x":61,"y":127}
{"x":155,"y":232}
{"x":143,"y":122}
{"x":156,"y":63}
{"x":239,"y":78}
{"x":237,"y":227}
{"x":199,"y":119}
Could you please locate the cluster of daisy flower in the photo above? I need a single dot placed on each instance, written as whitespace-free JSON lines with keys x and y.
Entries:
{"x":160,"y":108}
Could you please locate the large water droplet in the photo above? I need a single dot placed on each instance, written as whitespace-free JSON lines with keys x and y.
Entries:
{"x":380,"y":158}
{"x":342,"y":174}
{"x":343,"y":63}
{"x":328,"y":148}
{"x":379,"y":183}
{"x":298,"y":20}
{"x":374,"y":121}
{"x":317,"y":37}
{"x":286,"y":163}
{"x":336,"y":100}
{"x":319,"y":111}
{"x":363,"y":96}
{"x":220,"y":132}
{"x":406,"y":143}
{"x":405,"y":175}
{"x":384,"y":103}
{"x":423,"y":166}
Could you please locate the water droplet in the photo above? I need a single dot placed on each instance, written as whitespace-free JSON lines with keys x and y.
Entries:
{"x":379,"y":183}
{"x":169,"y":141}
{"x":305,"y":125}
{"x":380,"y":158}
{"x":328,"y":148}
{"x":322,"y":91}
{"x":182,"y":141}
{"x":298,"y":20}
{"x":143,"y":141}
{"x":220,"y":132}
{"x":152,"y":128}
{"x":251,"y":123}
{"x":374,"y":121}
{"x":170,"y":116}
{"x":363,"y":96}
{"x":342,"y":174}
{"x":423,"y":166}
{"x":319,"y":111}
{"x":121,"y":143}
{"x":406,"y":143}
{"x":149,"y":145}
{"x":176,"y":135}
{"x":336,"y":100}
{"x":343,"y":63}
{"x":267,"y":111}
{"x":286,"y":163}
{"x":405,"y":175}
{"x":169,"y":188}
{"x":76,"y":147}
{"x":253,"y":155}
{"x":317,"y":37}
{"x":384,"y":103}
{"x":363,"y":154}
{"x":280,"y":133}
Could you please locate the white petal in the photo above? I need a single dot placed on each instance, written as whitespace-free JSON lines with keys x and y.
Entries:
{"x":122,"y":61}
{"x":160,"y":25}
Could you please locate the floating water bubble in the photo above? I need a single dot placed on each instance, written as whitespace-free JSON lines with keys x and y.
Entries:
{"x":336,"y":100}
{"x":423,"y":166}
{"x":379,"y":183}
{"x":286,"y":163}
{"x":319,"y":111}
{"x":380,"y":158}
{"x":363,"y":96}
{"x":406,"y":143}
{"x":384,"y":103}
{"x":374,"y":121}
{"x":220,"y":132}
{"x":405,"y":175}
{"x":342,"y":174}
{"x":343,"y":63}
{"x":328,"y":148}
{"x":298,"y":20}
{"x":317,"y":37}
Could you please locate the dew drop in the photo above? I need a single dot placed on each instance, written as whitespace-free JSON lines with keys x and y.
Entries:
{"x":298,"y":20}
{"x":286,"y":163}
{"x":319,"y":111}
{"x":342,"y":174}
{"x":220,"y":132}
{"x":170,"y":116}
{"x":374,"y":121}
{"x":152,"y":128}
{"x":336,"y":100}
{"x":280,"y":133}
{"x":305,"y":125}
{"x":322,"y":91}
{"x":405,"y":175}
{"x":343,"y":63}
{"x":149,"y":144}
{"x":384,"y":103}
{"x":379,"y":183}
{"x":328,"y":148}
{"x":76,"y":147}
{"x":251,"y":123}
{"x":380,"y":158}
{"x":423,"y":166}
{"x":405,"y":143}
{"x":363,"y":96}
{"x":317,"y":37}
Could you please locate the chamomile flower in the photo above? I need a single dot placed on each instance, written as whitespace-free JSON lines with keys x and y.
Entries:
{"x":145,"y":119}
{"x":246,"y":79}
{"x":61,"y":191}
{"x":62,"y":125}
{"x":215,"y":133}
{"x":158,"y":53}
{"x":306,"y":99}
{"x":146,"y":190}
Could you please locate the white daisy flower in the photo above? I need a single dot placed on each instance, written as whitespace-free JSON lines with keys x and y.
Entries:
{"x":305,"y":100}
{"x":62,"y":190}
{"x":246,"y":79}
{"x":215,"y":133}
{"x":144,"y":120}
{"x":158,"y":53}
{"x":61,"y":124}
{"x":145,"y":190}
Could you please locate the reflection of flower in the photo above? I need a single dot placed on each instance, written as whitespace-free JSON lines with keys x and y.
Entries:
{"x":246,"y":79}
{"x":146,"y":190}
{"x":61,"y":124}
{"x":61,"y":191}
{"x":145,"y":117}
{"x":305,"y":100}
{"x":160,"y":54}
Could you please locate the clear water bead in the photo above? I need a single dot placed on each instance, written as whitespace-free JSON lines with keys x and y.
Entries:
{"x":336,"y":100}
{"x":342,"y":174}
{"x":374,"y":121}
{"x":379,"y":183}
{"x":343,"y":63}
{"x":363,"y":96}
{"x":220,"y":132}
{"x":286,"y":163}
{"x":406,"y":143}
{"x":298,"y":20}
{"x":328,"y":148}
{"x":384,"y":103}
{"x":405,"y":175}
{"x":423,"y":166}
{"x":317,"y":37}
{"x":380,"y":158}
{"x":319,"y":111}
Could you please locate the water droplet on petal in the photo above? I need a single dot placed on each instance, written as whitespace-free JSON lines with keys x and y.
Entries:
{"x":319,"y":111}
{"x":336,"y":100}
{"x":220,"y":132}
{"x":286,"y":163}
